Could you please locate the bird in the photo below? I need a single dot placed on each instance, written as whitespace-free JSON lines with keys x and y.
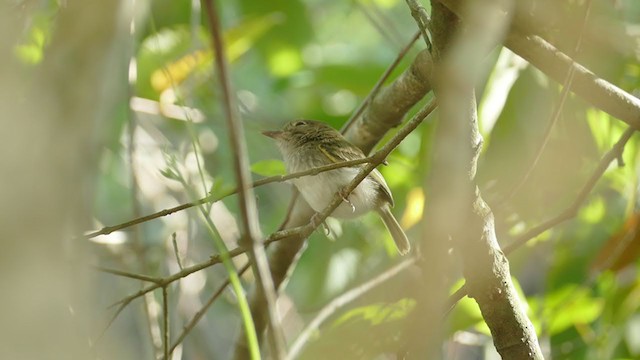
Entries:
{"x":307,"y":144}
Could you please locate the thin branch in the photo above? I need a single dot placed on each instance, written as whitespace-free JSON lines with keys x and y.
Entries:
{"x":376,"y":88}
{"x":342,"y":300}
{"x":421,"y":17}
{"x":248,"y":208}
{"x":165,"y":323}
{"x":130,"y":275}
{"x":566,"y":87}
{"x":392,"y":103}
{"x":203,"y":310}
{"x":213,"y":260}
{"x":572,"y":210}
{"x":376,"y":24}
{"x":111,"y":320}
{"x":175,"y":250}
{"x":614,"y":153}
{"x":273,"y":179}
{"x":385,"y":19}
{"x":555,"y":64}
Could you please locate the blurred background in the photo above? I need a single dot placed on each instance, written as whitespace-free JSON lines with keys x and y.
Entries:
{"x":132,"y":103}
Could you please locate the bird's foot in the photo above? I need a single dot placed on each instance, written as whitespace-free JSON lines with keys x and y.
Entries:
{"x":344,"y":196}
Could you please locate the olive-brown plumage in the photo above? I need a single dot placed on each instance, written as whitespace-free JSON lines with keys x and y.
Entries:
{"x":306,"y":144}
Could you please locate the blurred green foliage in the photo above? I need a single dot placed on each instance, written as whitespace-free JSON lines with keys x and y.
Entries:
{"x":316,"y":59}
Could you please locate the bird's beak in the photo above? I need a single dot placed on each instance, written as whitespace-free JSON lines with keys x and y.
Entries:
{"x":273,"y":134}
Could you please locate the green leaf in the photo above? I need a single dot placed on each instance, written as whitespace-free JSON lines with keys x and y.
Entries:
{"x":221,"y":188}
{"x":383,"y":322}
{"x":270,"y":167}
{"x":569,"y":306}
{"x":379,"y":313}
{"x":168,"y":57}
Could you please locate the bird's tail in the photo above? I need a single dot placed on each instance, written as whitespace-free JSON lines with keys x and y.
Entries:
{"x":398,"y":235}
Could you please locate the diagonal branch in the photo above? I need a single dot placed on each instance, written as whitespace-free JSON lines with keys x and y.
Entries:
{"x":248,"y":208}
{"x":376,"y":88}
{"x":342,"y":300}
{"x":555,"y":64}
{"x":570,"y":212}
{"x":213,"y":260}
{"x":456,"y":199}
{"x":566,"y":86}
{"x":211,"y":199}
{"x":203,"y":310}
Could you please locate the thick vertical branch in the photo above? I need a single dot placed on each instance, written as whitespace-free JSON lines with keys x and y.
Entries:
{"x":456,"y":153}
{"x":252,"y":237}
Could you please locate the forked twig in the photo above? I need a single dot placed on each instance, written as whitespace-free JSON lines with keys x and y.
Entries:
{"x":614,"y":153}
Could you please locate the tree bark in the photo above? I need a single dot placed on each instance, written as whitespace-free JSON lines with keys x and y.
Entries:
{"x":455,"y":154}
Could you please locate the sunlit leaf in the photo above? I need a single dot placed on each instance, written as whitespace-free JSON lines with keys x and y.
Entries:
{"x":414,"y":209}
{"x":594,"y":211}
{"x":379,"y":313}
{"x":31,"y":49}
{"x":270,"y":167}
{"x":220,"y":187}
{"x":465,"y":314}
{"x":168,"y":57}
{"x":566,"y":307}
{"x":370,"y":330}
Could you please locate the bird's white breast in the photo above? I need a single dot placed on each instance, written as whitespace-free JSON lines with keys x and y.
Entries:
{"x":319,"y":190}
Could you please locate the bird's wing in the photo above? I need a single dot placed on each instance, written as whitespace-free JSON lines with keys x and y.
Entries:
{"x":351,"y":152}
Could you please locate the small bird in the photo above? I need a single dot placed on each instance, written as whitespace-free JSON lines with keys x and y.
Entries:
{"x":307,"y":144}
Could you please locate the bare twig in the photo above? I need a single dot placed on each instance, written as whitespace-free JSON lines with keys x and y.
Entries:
{"x":130,"y":275}
{"x":572,"y":210}
{"x":458,"y":144}
{"x":376,"y":88}
{"x":273,"y":179}
{"x":213,"y":260}
{"x":165,"y":323}
{"x":342,"y":300}
{"x":175,"y":250}
{"x":111,"y":320}
{"x":200,"y":313}
{"x":614,"y":153}
{"x":248,"y":209}
{"x":555,"y":64}
{"x":385,"y":31}
{"x":422,"y":19}
{"x":567,"y":83}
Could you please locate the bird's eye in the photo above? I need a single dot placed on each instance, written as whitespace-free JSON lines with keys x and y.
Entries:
{"x":299,"y":123}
